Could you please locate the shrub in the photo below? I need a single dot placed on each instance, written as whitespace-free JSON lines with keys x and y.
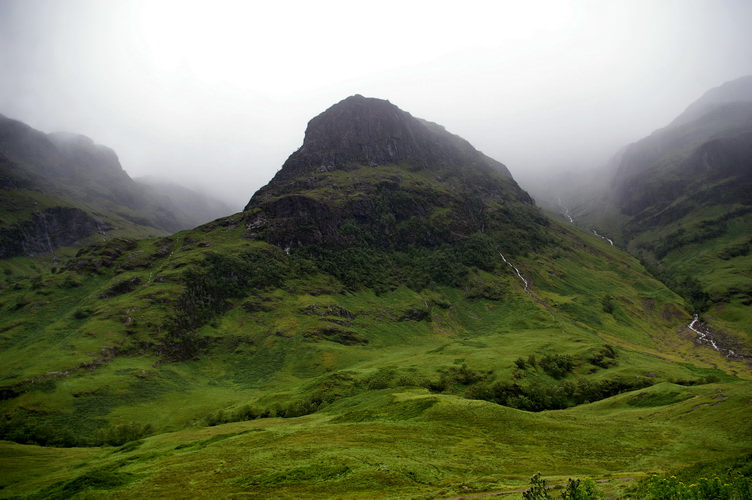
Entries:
{"x":538,"y":489}
{"x":604,"y":358}
{"x":120,"y":434}
{"x":557,"y":365}
{"x":575,"y":489}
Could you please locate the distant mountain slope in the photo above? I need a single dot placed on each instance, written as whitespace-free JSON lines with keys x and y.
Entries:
{"x":735,"y":91}
{"x":61,"y":189}
{"x":680,"y":199}
{"x":196,"y":208}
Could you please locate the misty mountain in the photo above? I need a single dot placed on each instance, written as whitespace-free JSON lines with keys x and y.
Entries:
{"x":680,"y":200}
{"x":700,"y":162}
{"x":734,"y":92}
{"x":196,"y":208}
{"x":62,"y":189}
{"x":702,"y":148}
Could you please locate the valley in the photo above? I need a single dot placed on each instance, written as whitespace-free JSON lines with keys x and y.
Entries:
{"x":392,"y":316}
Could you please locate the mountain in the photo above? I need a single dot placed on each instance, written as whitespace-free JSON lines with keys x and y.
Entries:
{"x":683,"y":203}
{"x":703,"y":153}
{"x":62,"y":190}
{"x":370,"y":168}
{"x":390,"y":317}
{"x":730,"y":93}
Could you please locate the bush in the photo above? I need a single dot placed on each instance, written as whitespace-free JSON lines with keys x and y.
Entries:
{"x":538,"y":489}
{"x":539,"y":397}
{"x":557,"y":365}
{"x":574,"y":490}
{"x":604,"y":358}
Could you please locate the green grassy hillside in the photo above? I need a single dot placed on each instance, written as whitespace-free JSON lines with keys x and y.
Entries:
{"x":211,"y":364}
{"x":396,"y":443}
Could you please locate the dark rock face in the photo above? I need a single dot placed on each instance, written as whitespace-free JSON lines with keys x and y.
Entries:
{"x":47,"y":230}
{"x":370,"y":172}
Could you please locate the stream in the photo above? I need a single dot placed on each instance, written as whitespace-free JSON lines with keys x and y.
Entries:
{"x":705,"y":336}
{"x":603,"y":237}
{"x":565,"y":211}
{"x":524,"y":281}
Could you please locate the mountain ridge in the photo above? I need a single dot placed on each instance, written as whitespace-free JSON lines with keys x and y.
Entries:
{"x":734,"y":91}
{"x":678,"y":199}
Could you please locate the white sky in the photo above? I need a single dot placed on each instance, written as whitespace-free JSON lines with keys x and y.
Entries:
{"x":216,"y":94}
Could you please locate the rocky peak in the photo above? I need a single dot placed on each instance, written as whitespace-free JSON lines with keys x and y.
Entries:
{"x":370,"y":173}
{"x":372,"y":132}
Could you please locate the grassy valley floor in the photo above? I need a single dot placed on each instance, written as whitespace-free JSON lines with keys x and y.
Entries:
{"x":409,"y":444}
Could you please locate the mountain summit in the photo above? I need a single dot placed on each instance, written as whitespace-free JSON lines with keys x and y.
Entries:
{"x":375,"y":132}
{"x":369,"y":171}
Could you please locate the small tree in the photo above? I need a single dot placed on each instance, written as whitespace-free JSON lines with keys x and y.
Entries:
{"x":580,"y":490}
{"x":537,"y":490}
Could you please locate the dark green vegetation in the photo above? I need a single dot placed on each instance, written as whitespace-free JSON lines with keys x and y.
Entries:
{"x":340,"y":338}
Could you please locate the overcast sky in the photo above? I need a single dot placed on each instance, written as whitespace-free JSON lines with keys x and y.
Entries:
{"x":217,"y":94}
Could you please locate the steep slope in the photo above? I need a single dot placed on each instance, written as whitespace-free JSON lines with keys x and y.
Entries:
{"x":368,"y":329}
{"x":686,"y":193}
{"x":63,"y":190}
{"x":679,"y":200}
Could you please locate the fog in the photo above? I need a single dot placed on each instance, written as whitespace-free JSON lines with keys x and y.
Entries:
{"x":216,"y":94}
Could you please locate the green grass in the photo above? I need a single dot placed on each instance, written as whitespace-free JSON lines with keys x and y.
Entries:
{"x":405,"y":444}
{"x":87,"y":365}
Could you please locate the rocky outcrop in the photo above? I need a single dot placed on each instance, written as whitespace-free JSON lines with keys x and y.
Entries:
{"x":48,"y":230}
